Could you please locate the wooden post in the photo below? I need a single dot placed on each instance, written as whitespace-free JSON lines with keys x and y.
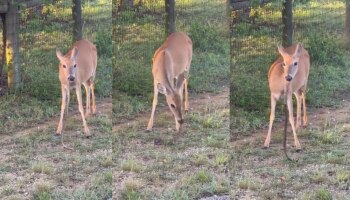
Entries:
{"x":347,"y":22}
{"x":170,"y":17}
{"x":12,"y":47}
{"x":287,"y":20}
{"x":78,"y":22}
{"x":3,"y":47}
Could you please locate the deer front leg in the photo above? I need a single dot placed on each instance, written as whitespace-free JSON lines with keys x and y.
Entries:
{"x":299,"y":100}
{"x":88,"y":108}
{"x":272,"y":118}
{"x":81,"y":110}
{"x":63,"y":106}
{"x":154,"y":104}
{"x":291,"y":121}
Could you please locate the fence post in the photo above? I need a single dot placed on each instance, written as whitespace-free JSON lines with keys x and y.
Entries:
{"x":287,"y":20}
{"x":3,"y":47}
{"x":347,"y":22}
{"x":78,"y":22}
{"x":170,"y":17}
{"x":12,"y":47}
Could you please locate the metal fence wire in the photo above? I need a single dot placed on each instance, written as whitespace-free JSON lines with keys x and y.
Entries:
{"x":255,"y":32}
{"x":140,"y":30}
{"x":47,"y":26}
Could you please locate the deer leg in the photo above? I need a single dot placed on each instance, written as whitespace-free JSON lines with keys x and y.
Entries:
{"x":186,"y":95}
{"x":154,"y":104}
{"x":291,"y":121}
{"x":81,"y":110}
{"x":304,"y":109}
{"x":87,"y":91}
{"x":181,"y":92}
{"x":298,"y":97}
{"x":68,"y":98}
{"x":92,"y":87}
{"x":63,"y":106}
{"x":272,"y":118}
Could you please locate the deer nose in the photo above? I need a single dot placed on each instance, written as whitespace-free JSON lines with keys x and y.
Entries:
{"x":288,"y":78}
{"x":71,"y":78}
{"x":181,"y":121}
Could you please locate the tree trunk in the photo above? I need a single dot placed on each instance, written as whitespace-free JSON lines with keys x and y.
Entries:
{"x":287,"y":20}
{"x":3,"y":47}
{"x":12,"y":47}
{"x":170,"y":17}
{"x":131,"y":3}
{"x":228,"y":8}
{"x":347,"y":22}
{"x":123,"y":5}
{"x":78,"y":22}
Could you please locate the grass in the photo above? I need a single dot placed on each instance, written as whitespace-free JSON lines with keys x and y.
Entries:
{"x":40,"y":95}
{"x":320,"y":171}
{"x":253,"y":46}
{"x":155,"y":165}
{"x":139,"y":34}
{"x":45,"y":170}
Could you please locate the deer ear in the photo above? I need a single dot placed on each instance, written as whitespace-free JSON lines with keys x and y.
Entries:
{"x":74,"y":53}
{"x":298,"y":49}
{"x":59,"y":55}
{"x":180,"y":80}
{"x":162,"y":89}
{"x":281,"y":49}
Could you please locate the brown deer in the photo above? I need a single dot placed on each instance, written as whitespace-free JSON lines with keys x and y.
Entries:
{"x":171,"y":66}
{"x":76,"y":68}
{"x":288,"y":75}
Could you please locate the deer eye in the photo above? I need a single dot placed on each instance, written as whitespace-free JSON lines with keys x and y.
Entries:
{"x":296,"y":63}
{"x":283,"y":65}
{"x":64,"y":66}
{"x":172,"y":105}
{"x":75,"y":65}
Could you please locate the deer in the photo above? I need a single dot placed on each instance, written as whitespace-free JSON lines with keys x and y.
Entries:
{"x":76,"y":68}
{"x":288,"y":75}
{"x":171,"y":66}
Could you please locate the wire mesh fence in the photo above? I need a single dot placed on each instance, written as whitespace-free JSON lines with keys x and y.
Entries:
{"x":141,"y":30}
{"x":43,"y":28}
{"x":255,"y":32}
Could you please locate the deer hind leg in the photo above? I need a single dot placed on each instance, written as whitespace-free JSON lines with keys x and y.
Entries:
{"x":291,"y":121}
{"x":81,"y":110}
{"x":92,"y":87}
{"x":272,"y":118}
{"x":63,"y":107}
{"x":154,"y":104}
{"x":88,"y":94}
{"x":186,"y":95}
{"x":304,"y":109}
{"x":178,"y":126}
{"x":298,"y":96}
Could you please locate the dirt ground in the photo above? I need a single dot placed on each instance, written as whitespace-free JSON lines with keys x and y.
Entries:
{"x":161,"y":164}
{"x":320,"y":171}
{"x":34,"y":164}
